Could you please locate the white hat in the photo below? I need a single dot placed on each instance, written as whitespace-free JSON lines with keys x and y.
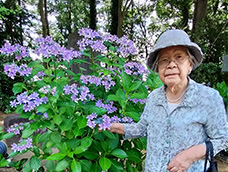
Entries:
{"x":173,"y":38}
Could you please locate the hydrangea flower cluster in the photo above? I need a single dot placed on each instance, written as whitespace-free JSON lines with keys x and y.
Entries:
{"x":47,"y":48}
{"x":109,"y":106}
{"x":15,"y":128}
{"x":12,"y":69}
{"x":141,"y":101}
{"x":20,"y":146}
{"x":40,"y":74}
{"x":105,"y":121}
{"x":19,"y":51}
{"x":29,"y":102}
{"x":46,"y":89}
{"x":78,"y":93}
{"x":106,"y":81}
{"x":95,"y":40}
{"x":134,"y":68}
{"x":45,"y":115}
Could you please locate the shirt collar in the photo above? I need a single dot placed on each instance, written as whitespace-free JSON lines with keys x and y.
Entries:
{"x":190,"y":98}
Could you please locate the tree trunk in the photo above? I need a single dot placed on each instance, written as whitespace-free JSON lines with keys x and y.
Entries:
{"x":199,"y":13}
{"x":20,"y":23}
{"x":114,"y":16}
{"x":42,"y":8}
{"x":46,"y":17}
{"x":185,"y":14}
{"x":69,"y":17}
{"x":93,"y":14}
{"x":122,"y":11}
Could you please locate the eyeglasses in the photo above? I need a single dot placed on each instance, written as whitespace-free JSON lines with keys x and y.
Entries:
{"x":178,"y":59}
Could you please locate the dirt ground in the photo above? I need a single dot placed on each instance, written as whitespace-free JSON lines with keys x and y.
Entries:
{"x":222,"y":166}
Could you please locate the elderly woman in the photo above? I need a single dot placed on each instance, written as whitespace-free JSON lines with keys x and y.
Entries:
{"x":181,"y":115}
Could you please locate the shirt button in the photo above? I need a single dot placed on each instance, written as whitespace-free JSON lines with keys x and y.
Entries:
{"x":166,"y":160}
{"x":167,"y":141}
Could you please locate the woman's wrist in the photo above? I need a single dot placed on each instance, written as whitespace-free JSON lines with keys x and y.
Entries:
{"x":196,"y":152}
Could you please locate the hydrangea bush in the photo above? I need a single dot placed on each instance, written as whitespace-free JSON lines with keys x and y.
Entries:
{"x":75,"y":110}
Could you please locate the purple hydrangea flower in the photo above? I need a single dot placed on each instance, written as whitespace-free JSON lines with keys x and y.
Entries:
{"x":53,"y":91}
{"x":141,"y":101}
{"x":12,"y":70}
{"x":45,"y":89}
{"x":29,"y":102}
{"x":18,"y":147}
{"x":135,"y":68}
{"x":45,"y":115}
{"x":78,"y":93}
{"x":15,"y":128}
{"x":91,"y":116}
{"x":47,"y":48}
{"x":109,"y":106}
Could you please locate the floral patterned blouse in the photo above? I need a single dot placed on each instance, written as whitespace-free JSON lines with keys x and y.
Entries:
{"x":200,"y":116}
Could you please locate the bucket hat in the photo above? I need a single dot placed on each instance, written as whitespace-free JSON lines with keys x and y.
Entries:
{"x":173,"y":38}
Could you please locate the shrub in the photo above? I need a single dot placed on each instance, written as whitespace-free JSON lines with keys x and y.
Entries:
{"x":76,"y":117}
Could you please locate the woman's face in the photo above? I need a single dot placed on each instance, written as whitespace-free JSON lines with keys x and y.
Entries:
{"x":174,"y":65}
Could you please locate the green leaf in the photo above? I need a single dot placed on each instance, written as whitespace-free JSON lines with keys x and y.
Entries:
{"x":3,"y":162}
{"x":81,"y":121}
{"x":12,"y":154}
{"x":69,"y":72}
{"x":116,"y":166}
{"x":63,"y":147}
{"x":76,"y":166}
{"x":135,"y":85}
{"x":8,"y":135}
{"x":119,"y":153}
{"x":79,"y":150}
{"x":56,"y":137}
{"x":66,"y":124}
{"x":134,"y":115}
{"x":134,"y":155}
{"x":62,"y":165}
{"x":91,"y":155}
{"x":86,"y":165}
{"x":60,"y":73}
{"x":43,"y":108}
{"x":36,"y":151}
{"x":56,"y":156}
{"x":36,"y":64}
{"x":105,"y":163}
{"x":18,"y":87}
{"x":95,"y":109}
{"x":27,"y":132}
{"x":80,"y":61}
{"x":126,"y":81}
{"x":50,"y":166}
{"x":109,"y":134}
{"x":104,"y":145}
{"x":137,"y":96}
{"x":35,"y":163}
{"x":27,"y":168}
{"x":48,"y":72}
{"x":57,"y":119}
{"x":95,"y":168}
{"x":40,"y":83}
{"x":86,"y":142}
{"x":121,"y":96}
{"x":112,"y":97}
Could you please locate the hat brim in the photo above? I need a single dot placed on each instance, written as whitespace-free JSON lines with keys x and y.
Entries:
{"x":193,"y":48}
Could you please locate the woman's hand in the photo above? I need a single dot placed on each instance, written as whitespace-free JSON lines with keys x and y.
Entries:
{"x":182,"y":161}
{"x":117,"y":128}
